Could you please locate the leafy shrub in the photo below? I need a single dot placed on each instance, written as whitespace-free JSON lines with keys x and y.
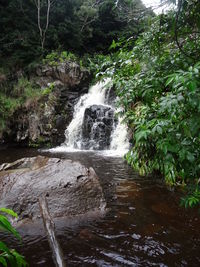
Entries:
{"x":55,"y":57}
{"x":9,"y":257}
{"x":159,"y":89}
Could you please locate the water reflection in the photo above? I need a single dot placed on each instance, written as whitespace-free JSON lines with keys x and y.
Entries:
{"x":145,"y":225}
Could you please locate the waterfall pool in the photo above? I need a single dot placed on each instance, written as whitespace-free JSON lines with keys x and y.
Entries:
{"x":144,"y":225}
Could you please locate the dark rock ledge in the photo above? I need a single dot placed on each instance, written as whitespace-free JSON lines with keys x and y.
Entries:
{"x":69,"y":187}
{"x":42,"y":121}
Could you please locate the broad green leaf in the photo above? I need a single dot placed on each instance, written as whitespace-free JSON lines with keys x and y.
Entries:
{"x":19,"y":259}
{"x":5,"y":224}
{"x":3,"y":261}
{"x":169,"y":80}
{"x":141,"y":135}
{"x":190,"y":157}
{"x":10,"y":212}
{"x":11,"y":259}
{"x":192,"y":86}
{"x":4,"y":248}
{"x":159,"y":129}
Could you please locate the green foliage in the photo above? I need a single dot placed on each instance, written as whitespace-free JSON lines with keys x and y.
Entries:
{"x":25,"y":89}
{"x":7,"y":106}
{"x":9,"y":212}
{"x":22,"y":91}
{"x":79,"y":25}
{"x":9,"y":257}
{"x":48,"y":90}
{"x":192,"y":199}
{"x":158,"y":85}
{"x":40,"y":141}
{"x":55,"y":57}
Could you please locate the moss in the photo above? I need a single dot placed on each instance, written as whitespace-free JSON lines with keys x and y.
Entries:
{"x":33,"y":144}
{"x":25,"y":89}
{"x":48,"y":89}
{"x":7,"y":107}
{"x":39,"y":142}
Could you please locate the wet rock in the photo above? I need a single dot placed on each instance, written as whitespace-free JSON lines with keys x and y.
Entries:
{"x":43,"y":120}
{"x":98,"y":124}
{"x":66,"y":73}
{"x":111,"y":96}
{"x":69,"y":187}
{"x":86,"y":234}
{"x":60,"y":121}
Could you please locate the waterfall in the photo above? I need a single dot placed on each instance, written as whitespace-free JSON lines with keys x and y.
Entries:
{"x":94,"y":125}
{"x":95,"y":96}
{"x":120,"y":142}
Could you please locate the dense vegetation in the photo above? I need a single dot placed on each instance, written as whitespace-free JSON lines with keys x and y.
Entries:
{"x":81,"y":26}
{"x":157,"y":79}
{"x":154,"y":62}
{"x":30,"y":35}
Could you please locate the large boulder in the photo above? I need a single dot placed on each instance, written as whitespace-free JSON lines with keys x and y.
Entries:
{"x":97,"y":127}
{"x":69,"y":187}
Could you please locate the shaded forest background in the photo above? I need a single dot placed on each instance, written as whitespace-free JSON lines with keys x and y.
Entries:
{"x":81,"y":26}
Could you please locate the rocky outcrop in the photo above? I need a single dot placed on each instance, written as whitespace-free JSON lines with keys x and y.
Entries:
{"x":98,"y":125}
{"x":69,"y":187}
{"x":66,"y":73}
{"x":44,"y":119}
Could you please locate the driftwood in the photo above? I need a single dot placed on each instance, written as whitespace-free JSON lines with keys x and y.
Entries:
{"x":50,"y":230}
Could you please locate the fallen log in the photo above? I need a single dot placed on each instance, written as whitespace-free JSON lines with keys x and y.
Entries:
{"x":50,"y":230}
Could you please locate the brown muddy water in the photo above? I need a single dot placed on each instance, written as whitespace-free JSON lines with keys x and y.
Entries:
{"x":145,"y":226}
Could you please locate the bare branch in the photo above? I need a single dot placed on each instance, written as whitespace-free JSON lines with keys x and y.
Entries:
{"x":39,"y":25}
{"x":41,"y":31}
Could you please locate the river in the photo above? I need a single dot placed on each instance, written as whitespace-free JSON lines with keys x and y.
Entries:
{"x":144,"y":224}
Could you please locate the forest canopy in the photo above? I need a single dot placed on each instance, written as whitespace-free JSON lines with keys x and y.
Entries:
{"x":30,"y":28}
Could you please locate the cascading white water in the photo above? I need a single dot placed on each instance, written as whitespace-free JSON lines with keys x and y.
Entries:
{"x":96,"y":97}
{"x":119,"y":138}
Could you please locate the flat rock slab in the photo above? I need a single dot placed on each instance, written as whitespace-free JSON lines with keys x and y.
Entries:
{"x":69,"y":187}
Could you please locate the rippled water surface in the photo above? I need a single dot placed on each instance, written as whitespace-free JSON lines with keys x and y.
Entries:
{"x":144,"y":226}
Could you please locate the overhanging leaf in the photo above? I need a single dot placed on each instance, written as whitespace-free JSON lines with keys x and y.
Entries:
{"x":9,"y":211}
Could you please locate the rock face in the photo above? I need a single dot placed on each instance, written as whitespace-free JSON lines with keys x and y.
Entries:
{"x":45,"y":119}
{"x":70,"y":188}
{"x":65,"y":73}
{"x":98,"y":124}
